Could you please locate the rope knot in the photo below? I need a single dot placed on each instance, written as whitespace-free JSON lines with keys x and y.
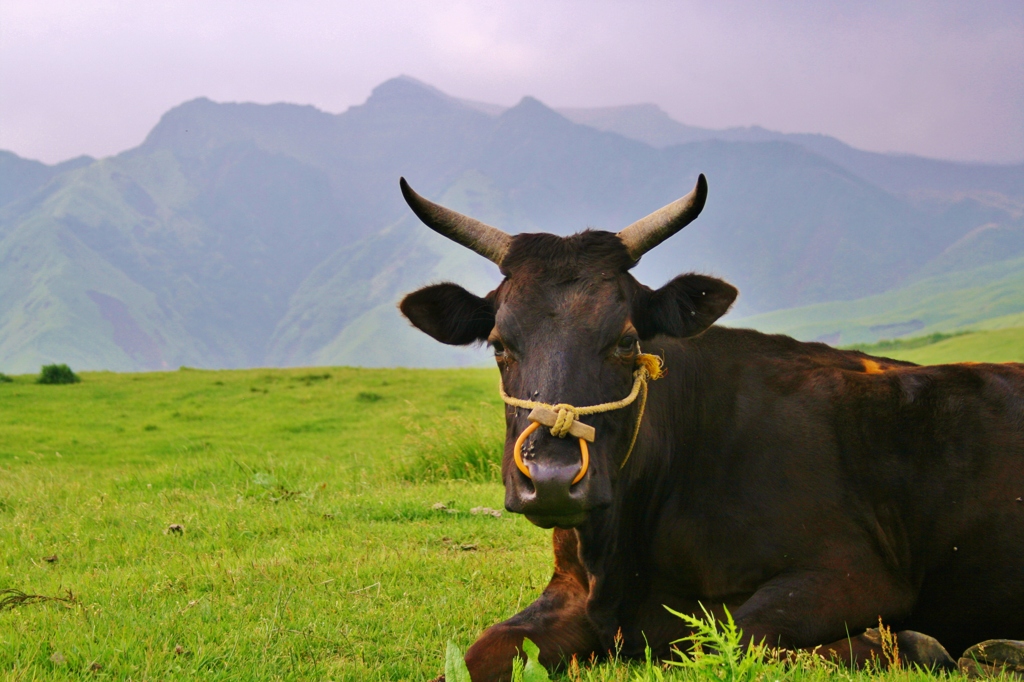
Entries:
{"x":566,"y":416}
{"x":651,"y":364}
{"x":648,"y":367}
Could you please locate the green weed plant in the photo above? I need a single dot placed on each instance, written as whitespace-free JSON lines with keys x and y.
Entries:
{"x":525,"y":668}
{"x":714,"y":650}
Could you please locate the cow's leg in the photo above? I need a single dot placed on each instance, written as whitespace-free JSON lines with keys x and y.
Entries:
{"x":556,"y":622}
{"x":994,"y":657}
{"x":660,"y":630}
{"x":913,"y":647}
{"x":829,"y":610}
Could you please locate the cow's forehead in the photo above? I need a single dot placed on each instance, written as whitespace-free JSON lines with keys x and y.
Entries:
{"x":574,"y":284}
{"x":559,"y":292}
{"x":583,"y":255}
{"x":589,"y":305}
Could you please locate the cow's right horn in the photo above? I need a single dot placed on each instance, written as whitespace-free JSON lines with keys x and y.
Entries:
{"x":646,"y":233}
{"x":489,"y":242}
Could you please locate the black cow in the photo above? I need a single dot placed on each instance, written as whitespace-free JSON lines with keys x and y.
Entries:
{"x":807,"y":489}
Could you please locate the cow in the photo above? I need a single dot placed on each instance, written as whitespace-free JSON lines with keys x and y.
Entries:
{"x":808,"y":490}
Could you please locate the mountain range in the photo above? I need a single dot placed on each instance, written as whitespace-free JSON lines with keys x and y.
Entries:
{"x":241,"y":235}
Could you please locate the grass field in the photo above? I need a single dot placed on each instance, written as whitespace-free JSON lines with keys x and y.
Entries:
{"x":265,"y":524}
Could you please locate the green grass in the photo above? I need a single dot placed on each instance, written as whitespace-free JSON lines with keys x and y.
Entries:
{"x":263,"y":525}
{"x":304,"y":552}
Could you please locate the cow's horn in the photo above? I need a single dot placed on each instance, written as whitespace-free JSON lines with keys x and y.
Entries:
{"x":489,"y":242}
{"x":646,"y":233}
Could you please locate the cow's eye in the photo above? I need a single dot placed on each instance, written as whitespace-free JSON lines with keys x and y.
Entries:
{"x":626,"y":345}
{"x":499,"y":349}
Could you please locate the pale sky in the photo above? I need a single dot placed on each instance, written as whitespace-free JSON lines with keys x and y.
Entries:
{"x":940,"y":79}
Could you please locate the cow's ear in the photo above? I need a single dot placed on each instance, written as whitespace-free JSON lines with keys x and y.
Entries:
{"x":449,"y":313}
{"x":686,"y":306}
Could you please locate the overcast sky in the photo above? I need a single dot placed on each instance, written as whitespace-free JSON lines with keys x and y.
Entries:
{"x":940,"y":79}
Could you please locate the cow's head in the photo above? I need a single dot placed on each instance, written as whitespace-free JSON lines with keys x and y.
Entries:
{"x":566,"y":325}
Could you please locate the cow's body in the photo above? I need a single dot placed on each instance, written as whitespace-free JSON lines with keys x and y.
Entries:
{"x":811,"y":491}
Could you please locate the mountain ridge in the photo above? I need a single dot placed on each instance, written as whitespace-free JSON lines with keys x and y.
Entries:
{"x":242,"y":234}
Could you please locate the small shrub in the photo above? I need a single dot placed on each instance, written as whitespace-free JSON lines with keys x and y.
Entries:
{"x":4,"y":379}
{"x":308,"y":379}
{"x":57,"y":374}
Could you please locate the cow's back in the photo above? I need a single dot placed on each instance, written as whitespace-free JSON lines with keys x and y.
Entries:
{"x":927,"y":461}
{"x":959,"y":431}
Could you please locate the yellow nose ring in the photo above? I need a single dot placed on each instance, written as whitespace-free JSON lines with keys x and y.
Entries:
{"x":517,"y":453}
{"x":564,"y":419}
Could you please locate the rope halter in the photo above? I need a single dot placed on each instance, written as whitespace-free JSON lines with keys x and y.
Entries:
{"x":563,"y":419}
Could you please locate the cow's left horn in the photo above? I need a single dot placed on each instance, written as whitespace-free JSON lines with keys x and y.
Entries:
{"x":489,"y":242}
{"x":646,"y":233}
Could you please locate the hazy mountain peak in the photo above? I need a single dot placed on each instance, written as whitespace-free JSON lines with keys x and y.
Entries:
{"x":201,"y":124}
{"x":20,"y":177}
{"x":406,"y":81}
{"x":405,"y":93}
{"x":531,"y":111}
{"x":403,"y":86}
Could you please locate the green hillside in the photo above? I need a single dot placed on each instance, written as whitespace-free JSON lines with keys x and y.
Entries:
{"x":21,"y":178}
{"x":970,"y":299}
{"x":999,"y":345}
{"x":346,"y":310}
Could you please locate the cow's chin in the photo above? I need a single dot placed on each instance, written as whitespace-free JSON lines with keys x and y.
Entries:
{"x":565,"y":522}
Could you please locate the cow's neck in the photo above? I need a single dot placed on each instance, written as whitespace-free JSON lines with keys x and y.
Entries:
{"x":615,"y":543}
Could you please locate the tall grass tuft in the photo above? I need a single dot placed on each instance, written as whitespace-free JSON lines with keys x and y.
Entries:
{"x":454,"y":448}
{"x":57,"y":374}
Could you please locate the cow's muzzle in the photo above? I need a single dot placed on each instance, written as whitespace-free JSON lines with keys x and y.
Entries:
{"x":556,"y":493}
{"x":549,"y":497}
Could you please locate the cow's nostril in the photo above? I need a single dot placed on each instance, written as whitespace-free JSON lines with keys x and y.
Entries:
{"x":525,"y":484}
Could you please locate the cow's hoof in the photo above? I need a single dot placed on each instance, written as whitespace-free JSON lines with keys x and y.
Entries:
{"x":993,"y":657}
{"x":924,"y":651}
